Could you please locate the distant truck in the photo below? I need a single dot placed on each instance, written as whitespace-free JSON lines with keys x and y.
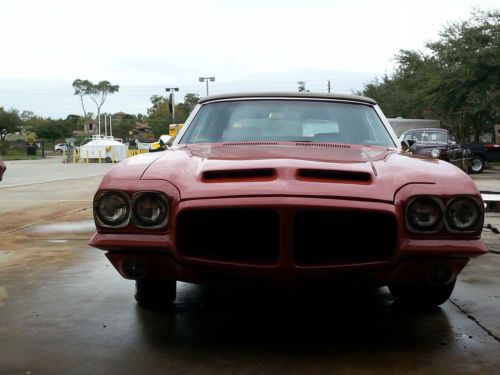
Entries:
{"x":481,"y":153}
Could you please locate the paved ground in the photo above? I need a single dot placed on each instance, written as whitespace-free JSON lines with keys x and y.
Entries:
{"x":64,"y":309}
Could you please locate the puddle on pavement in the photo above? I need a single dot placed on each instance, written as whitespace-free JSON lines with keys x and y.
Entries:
{"x":82,"y":226}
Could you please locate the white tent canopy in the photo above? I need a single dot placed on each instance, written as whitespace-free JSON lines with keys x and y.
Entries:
{"x":102,"y":147}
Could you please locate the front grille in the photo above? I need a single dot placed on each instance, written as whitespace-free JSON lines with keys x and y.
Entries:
{"x":342,"y":237}
{"x":236,"y":235}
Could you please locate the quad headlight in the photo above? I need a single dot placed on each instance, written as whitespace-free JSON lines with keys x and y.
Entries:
{"x":463,"y":214}
{"x":112,"y":208}
{"x":424,"y":214}
{"x":150,"y":210}
{"x":427,"y":214}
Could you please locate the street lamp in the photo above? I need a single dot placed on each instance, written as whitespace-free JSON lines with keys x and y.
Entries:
{"x":171,"y":102}
{"x":206,"y":79}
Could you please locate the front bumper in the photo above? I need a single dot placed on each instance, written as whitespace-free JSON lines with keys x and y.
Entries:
{"x":162,"y":257}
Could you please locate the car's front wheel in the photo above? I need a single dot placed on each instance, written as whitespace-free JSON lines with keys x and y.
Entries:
{"x":477,"y":165}
{"x":421,"y":295}
{"x":155,"y":293}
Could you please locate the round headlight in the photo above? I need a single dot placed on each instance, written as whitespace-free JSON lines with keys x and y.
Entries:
{"x":435,"y":153}
{"x":150,"y":210}
{"x":463,"y":214}
{"x":112,"y":208}
{"x":424,"y":214}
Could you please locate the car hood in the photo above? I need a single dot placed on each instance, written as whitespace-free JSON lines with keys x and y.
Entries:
{"x":289,"y":169}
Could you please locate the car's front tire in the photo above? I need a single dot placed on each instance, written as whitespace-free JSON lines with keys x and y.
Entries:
{"x":477,"y":165}
{"x":151,"y":293}
{"x":421,"y":295}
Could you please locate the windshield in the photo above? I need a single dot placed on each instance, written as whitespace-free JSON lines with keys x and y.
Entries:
{"x":428,"y":136}
{"x":287,"y":121}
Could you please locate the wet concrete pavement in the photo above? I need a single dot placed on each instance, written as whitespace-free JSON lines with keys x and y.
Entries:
{"x":64,"y":309}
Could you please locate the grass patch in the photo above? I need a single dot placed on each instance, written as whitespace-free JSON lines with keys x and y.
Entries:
{"x":20,"y":157}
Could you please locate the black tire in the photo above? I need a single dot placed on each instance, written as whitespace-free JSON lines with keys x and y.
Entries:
{"x":477,"y":165}
{"x":421,"y":295}
{"x":155,"y":293}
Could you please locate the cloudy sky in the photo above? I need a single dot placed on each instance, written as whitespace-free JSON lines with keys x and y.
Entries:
{"x":147,"y":45}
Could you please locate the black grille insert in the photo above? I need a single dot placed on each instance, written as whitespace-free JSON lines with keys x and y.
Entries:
{"x":342,"y":237}
{"x":235,"y":235}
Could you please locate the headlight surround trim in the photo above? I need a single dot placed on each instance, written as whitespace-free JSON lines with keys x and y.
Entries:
{"x":451,"y":212}
{"x":410,"y":217}
{"x":139,"y":221}
{"x":98,"y":214}
{"x":435,"y":153}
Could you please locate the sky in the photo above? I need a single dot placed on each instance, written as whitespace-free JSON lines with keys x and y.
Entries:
{"x":255,"y":45}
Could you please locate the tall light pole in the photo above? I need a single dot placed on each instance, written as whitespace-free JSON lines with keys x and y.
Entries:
{"x":171,"y":102}
{"x":206,"y":79}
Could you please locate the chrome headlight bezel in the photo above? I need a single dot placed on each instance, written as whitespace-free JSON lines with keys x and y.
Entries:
{"x":435,"y":153}
{"x":98,"y":214}
{"x":414,"y":227}
{"x":140,"y":222}
{"x":477,"y":221}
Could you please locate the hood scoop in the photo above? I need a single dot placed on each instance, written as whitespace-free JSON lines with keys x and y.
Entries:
{"x":325,"y":175}
{"x":239,"y":175}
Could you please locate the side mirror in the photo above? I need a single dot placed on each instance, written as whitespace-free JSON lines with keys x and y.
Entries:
{"x":406,"y":144}
{"x":165,"y":140}
{"x":163,"y":143}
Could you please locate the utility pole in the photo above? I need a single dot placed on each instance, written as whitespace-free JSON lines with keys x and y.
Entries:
{"x":171,"y":102}
{"x":329,"y":86}
{"x":206,"y":79}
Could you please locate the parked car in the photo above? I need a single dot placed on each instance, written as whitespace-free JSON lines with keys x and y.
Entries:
{"x":61,"y":147}
{"x":482,"y":153}
{"x":2,"y":169}
{"x":437,"y":143}
{"x":288,"y":190}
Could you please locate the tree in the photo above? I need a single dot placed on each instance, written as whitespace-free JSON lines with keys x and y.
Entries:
{"x":99,"y":93}
{"x":469,"y":85}
{"x":123,"y":127}
{"x":457,"y":80}
{"x":82,"y":88}
{"x":159,"y":116}
{"x":50,"y":129}
{"x":190,"y":101}
{"x":9,"y":122}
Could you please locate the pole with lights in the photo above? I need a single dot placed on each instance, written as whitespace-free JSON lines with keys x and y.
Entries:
{"x":171,"y":101}
{"x":207,"y":79}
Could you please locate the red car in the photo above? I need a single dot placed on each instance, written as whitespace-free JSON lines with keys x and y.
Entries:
{"x":288,"y":190}
{"x":2,"y":169}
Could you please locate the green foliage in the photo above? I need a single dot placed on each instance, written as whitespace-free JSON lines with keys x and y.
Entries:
{"x":123,"y":127}
{"x":10,"y":122}
{"x":456,"y":81}
{"x":159,"y":116}
{"x":98,"y":93}
{"x":49,"y":129}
